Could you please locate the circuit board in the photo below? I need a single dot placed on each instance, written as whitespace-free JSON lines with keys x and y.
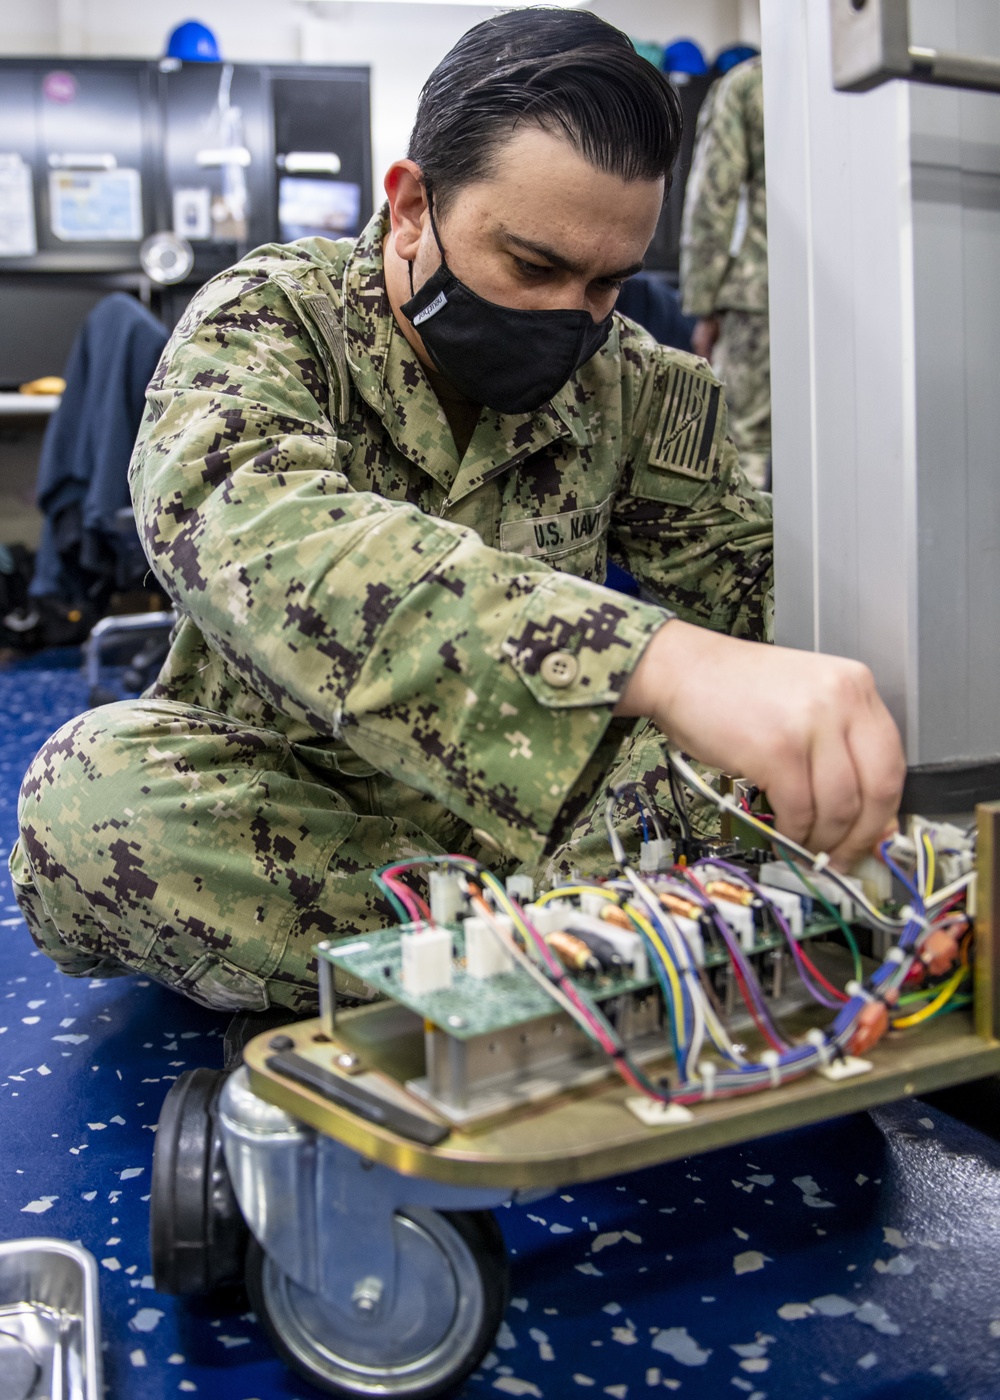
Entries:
{"x":472,"y":1006}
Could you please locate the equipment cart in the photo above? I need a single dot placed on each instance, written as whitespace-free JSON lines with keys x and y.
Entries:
{"x":367,"y":1149}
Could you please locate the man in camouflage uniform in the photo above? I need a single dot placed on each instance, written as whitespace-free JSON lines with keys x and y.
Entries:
{"x":394,"y":638}
{"x":724,"y":258}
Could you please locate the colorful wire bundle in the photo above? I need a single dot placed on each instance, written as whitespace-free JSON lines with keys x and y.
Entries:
{"x":693,"y":1016}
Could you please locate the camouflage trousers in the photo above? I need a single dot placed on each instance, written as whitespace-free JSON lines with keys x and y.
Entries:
{"x":211,"y":855}
{"x":742,"y":360}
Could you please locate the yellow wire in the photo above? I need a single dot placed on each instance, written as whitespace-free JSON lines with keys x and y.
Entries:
{"x":945,"y":994}
{"x":931,"y":863}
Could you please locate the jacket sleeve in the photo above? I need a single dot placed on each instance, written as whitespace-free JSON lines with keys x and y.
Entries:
{"x":686,"y":523}
{"x":719,"y":170}
{"x":365,"y":619}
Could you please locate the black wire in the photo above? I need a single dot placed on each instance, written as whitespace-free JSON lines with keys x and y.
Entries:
{"x":680,"y":801}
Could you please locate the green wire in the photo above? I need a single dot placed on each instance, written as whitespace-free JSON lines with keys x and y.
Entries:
{"x":954,"y":1004}
{"x":834,"y":913}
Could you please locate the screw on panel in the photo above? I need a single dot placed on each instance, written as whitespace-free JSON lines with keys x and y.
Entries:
{"x":367,"y":1293}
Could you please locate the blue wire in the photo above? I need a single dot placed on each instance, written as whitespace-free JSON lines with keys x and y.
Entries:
{"x":907,"y":884}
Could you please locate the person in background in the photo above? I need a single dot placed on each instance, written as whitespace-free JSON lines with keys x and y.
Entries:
{"x":724,"y":258}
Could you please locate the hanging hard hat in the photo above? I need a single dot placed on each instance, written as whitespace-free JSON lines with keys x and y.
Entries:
{"x":193,"y":42}
{"x":683,"y":56}
{"x":729,"y":58}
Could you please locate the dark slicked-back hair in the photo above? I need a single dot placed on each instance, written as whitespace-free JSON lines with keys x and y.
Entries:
{"x":563,"y":70}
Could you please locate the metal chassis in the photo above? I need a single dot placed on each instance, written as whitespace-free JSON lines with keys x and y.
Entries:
{"x":308,"y":1173}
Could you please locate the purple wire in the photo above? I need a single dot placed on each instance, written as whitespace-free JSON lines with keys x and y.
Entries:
{"x":782,"y":923}
{"x":736,"y":954}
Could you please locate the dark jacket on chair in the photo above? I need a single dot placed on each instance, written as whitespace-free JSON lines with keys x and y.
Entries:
{"x":82,"y":473}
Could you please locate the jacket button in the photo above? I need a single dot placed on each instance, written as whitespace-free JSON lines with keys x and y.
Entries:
{"x":488,"y":842}
{"x":559,"y":669}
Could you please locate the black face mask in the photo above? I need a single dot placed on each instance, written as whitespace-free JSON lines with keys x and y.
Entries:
{"x":510,"y":360}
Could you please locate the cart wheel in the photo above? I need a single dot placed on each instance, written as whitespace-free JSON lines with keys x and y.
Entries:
{"x":197,"y":1235}
{"x":451,"y":1293}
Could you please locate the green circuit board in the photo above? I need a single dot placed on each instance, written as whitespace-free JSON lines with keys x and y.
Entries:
{"x":472,"y":1006}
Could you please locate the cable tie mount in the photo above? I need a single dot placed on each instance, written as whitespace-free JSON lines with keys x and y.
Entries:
{"x":771,"y":1060}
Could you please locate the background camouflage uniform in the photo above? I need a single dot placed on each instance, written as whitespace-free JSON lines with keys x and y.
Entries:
{"x":383,"y":650}
{"x":724,"y":254}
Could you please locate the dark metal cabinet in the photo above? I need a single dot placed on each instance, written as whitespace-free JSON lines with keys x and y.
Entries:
{"x":111,"y":151}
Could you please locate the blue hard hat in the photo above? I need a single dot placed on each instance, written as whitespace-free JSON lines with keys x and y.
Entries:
{"x":193,"y":42}
{"x":737,"y":53}
{"x":683,"y":56}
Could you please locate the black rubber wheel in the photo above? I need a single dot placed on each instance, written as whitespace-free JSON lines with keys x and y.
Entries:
{"x":197,"y":1235}
{"x":449,"y":1302}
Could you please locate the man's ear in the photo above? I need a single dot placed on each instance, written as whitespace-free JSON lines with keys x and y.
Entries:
{"x":407,"y":194}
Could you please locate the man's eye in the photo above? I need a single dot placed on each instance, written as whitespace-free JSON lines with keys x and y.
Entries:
{"x":611,"y":284}
{"x":529,"y":269}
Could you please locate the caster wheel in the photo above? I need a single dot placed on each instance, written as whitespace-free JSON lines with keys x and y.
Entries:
{"x":198,"y":1236}
{"x":450,"y":1298}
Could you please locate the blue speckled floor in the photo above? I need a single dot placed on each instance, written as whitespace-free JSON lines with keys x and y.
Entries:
{"x":857,"y":1259}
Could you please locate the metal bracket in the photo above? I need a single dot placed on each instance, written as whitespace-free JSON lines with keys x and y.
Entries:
{"x":871,"y":45}
{"x":322,"y":1212}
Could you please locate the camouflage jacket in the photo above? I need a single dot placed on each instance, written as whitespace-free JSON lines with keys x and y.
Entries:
{"x":343,"y":578}
{"x":724,"y":228}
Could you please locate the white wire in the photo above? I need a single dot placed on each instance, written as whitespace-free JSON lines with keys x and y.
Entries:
{"x":818,"y":864}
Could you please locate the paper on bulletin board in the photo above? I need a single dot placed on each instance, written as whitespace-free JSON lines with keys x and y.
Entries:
{"x":17,"y":209}
{"x":96,"y":206}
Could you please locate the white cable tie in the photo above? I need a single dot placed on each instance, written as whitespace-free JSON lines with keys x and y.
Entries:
{"x":770,"y":1060}
{"x":821,"y":862}
{"x":910,"y":916}
{"x":855,"y":989}
{"x":707,"y":1071}
{"x":895,"y":955}
{"x":817,"y":1039}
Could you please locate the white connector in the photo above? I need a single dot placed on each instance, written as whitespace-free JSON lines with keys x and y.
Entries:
{"x":776,"y":875}
{"x":790,"y":906}
{"x":739,"y":917}
{"x":446,"y":896}
{"x":426,"y":960}
{"x":655,"y":855}
{"x":485,"y":953}
{"x":521,"y":888}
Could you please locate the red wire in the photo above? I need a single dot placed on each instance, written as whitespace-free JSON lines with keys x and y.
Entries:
{"x":841,"y":996}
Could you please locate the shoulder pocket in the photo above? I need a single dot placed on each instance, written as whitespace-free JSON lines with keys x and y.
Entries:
{"x":682,"y":453}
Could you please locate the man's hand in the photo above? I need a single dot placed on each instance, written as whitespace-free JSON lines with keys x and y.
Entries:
{"x":705,"y":334}
{"x":810,"y":730}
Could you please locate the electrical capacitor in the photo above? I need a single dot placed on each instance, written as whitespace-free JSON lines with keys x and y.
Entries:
{"x":734,"y":894}
{"x":605,"y":952}
{"x":572,"y":952}
{"x":676,"y":904}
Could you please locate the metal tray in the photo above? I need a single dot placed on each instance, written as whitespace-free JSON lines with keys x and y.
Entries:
{"x":50,"y":1343}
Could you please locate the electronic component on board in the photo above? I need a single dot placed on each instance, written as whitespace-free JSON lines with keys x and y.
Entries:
{"x":485,"y":953}
{"x":426,"y":960}
{"x":573,"y":953}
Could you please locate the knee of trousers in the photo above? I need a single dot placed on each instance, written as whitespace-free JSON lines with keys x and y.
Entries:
{"x":81,"y":785}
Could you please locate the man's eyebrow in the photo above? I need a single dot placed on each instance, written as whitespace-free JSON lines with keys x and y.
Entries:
{"x":564,"y":263}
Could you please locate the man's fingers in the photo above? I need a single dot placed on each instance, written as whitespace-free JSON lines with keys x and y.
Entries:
{"x":837,"y":795}
{"x":881,"y":767}
{"x":790,"y":793}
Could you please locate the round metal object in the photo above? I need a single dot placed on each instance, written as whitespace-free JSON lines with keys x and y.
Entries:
{"x":166,"y":258}
{"x":19,"y":1368}
{"x":443,"y":1314}
{"x":559,"y":669}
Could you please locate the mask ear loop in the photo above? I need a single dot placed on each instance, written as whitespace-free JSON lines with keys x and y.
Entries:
{"x":437,"y":239}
